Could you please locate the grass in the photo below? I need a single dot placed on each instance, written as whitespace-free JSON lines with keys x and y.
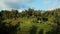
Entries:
{"x":26,"y":24}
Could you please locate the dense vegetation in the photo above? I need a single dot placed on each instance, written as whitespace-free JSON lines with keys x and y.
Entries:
{"x":30,"y":22}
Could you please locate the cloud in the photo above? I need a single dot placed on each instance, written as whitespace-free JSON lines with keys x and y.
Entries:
{"x":2,"y":5}
{"x":18,"y":1}
{"x":14,"y":4}
{"x":54,"y":5}
{"x":46,"y":2}
{"x":23,"y":4}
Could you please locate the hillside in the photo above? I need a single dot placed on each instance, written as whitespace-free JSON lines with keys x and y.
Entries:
{"x":30,"y":22}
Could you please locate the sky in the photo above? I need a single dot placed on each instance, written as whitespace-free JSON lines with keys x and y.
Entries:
{"x":25,"y":4}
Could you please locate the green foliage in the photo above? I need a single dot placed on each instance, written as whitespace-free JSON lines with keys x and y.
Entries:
{"x":33,"y":30}
{"x":41,"y":31}
{"x":8,"y":28}
{"x":47,"y":22}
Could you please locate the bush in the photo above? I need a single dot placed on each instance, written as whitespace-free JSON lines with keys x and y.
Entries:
{"x":33,"y":30}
